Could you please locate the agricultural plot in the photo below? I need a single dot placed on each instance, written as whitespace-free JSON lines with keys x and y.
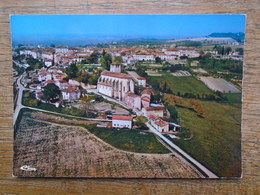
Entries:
{"x":181,"y":73}
{"x":69,"y":151}
{"x":199,"y":70}
{"x":153,"y":73}
{"x":219,"y":84}
{"x":183,"y":84}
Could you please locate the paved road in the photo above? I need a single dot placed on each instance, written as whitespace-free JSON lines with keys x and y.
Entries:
{"x":193,"y":161}
{"x":57,"y":113}
{"x":19,"y":105}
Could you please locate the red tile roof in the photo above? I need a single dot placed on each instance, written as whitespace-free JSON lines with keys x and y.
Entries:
{"x":147,"y":91}
{"x":116,"y":75}
{"x":154,"y":108}
{"x":141,"y":78}
{"x":121,"y":117}
{"x":146,"y":99}
{"x":154,"y":117}
{"x":161,"y":123}
{"x":70,"y":90}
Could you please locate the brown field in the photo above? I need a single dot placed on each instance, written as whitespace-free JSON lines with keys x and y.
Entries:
{"x":219,"y":84}
{"x":70,"y":151}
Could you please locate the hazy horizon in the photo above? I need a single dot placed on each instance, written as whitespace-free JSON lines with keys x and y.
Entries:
{"x":75,"y":30}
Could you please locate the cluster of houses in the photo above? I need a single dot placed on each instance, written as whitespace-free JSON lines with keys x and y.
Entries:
{"x":66,"y":56}
{"x":69,"y":90}
{"x":114,"y":84}
{"x":120,"y":86}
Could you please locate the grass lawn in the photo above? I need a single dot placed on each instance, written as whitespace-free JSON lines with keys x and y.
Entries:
{"x":183,"y":84}
{"x":129,"y":140}
{"x":216,"y":138}
{"x":234,"y":98}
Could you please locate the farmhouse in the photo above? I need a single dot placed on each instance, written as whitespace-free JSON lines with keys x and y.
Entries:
{"x":162,"y":126}
{"x":159,"y":124}
{"x":120,"y":121}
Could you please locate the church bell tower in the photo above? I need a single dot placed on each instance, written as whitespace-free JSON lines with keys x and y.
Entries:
{"x":115,"y":68}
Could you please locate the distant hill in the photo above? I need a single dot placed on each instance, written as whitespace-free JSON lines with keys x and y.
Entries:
{"x":240,"y":37}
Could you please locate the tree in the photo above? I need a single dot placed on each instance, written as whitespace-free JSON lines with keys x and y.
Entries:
{"x":228,"y":50}
{"x":106,"y":61}
{"x":158,"y":60}
{"x":240,"y":50}
{"x":72,"y":71}
{"x":196,"y":105}
{"x":93,"y":58}
{"x":118,"y":60}
{"x":140,"y":122}
{"x":52,"y":45}
{"x":51,"y":92}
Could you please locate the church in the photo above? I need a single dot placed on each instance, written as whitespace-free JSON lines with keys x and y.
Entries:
{"x":115,"y":84}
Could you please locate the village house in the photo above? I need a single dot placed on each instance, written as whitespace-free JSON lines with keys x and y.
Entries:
{"x":44,"y":75}
{"x":120,"y":121}
{"x":70,"y":94}
{"x":146,"y":97}
{"x":141,"y":81}
{"x":162,"y":126}
{"x":133,"y":101}
{"x":61,"y":49}
{"x":157,"y":111}
{"x":143,"y":57}
{"x":159,"y":124}
{"x":62,"y":84}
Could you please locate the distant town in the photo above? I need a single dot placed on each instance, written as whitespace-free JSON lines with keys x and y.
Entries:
{"x":161,"y":88}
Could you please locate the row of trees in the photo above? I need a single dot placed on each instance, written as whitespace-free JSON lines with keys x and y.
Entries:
{"x":175,"y":67}
{"x":222,"y":50}
{"x":234,"y":66}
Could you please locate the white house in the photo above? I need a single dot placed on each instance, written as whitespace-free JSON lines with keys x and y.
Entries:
{"x":119,"y":121}
{"x":159,"y":124}
{"x":141,"y":81}
{"x":162,"y":126}
{"x":48,"y":63}
{"x":61,"y":49}
{"x":44,"y":76}
{"x":70,"y":94}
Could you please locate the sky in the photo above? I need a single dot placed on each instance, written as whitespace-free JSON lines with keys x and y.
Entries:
{"x":83,"y":29}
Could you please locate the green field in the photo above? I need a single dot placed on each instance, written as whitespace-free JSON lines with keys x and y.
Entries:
{"x":215,"y":138}
{"x":234,"y":98}
{"x":183,"y":84}
{"x":129,"y":140}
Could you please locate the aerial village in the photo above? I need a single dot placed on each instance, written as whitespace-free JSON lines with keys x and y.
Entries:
{"x":115,"y":80}
{"x":141,"y":98}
